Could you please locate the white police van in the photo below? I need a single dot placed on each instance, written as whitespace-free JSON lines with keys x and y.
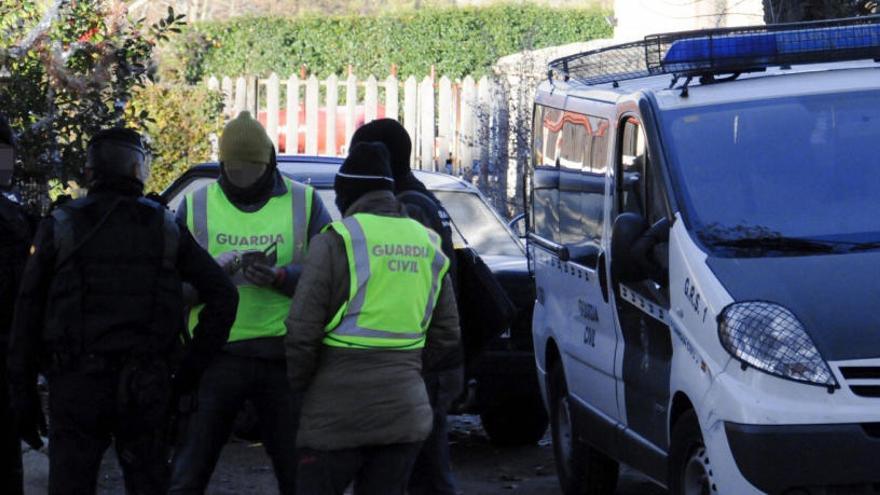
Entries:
{"x":704,"y":232}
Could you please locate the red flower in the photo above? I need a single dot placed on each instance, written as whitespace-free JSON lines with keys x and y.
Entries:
{"x":88,"y":35}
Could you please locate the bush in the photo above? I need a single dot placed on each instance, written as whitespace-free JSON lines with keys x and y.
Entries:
{"x":72,"y":68}
{"x":457,"y":41}
{"x":182,"y":120}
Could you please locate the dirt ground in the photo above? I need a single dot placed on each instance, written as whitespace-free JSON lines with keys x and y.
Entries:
{"x":481,"y":468}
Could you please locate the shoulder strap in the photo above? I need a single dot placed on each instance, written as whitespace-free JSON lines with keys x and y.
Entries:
{"x":66,"y":242}
{"x":170,"y":233}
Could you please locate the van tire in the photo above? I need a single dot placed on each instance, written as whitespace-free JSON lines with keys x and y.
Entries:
{"x":582,"y":470}
{"x":689,"y":468}
{"x":515,"y":421}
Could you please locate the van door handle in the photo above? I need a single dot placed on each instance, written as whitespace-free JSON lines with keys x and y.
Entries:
{"x":603,"y":276}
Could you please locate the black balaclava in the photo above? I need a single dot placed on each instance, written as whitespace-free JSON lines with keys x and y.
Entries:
{"x":366,"y":169}
{"x":259,"y":191}
{"x":394,"y":136}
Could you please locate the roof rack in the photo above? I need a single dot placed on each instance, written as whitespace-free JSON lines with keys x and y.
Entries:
{"x":707,"y":53}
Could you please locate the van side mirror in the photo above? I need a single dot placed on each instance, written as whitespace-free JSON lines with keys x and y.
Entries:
{"x":585,"y":255}
{"x":632,"y":245}
{"x":628,"y":227}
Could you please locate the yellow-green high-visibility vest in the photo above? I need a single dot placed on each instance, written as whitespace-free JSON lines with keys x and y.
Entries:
{"x":396,"y":268}
{"x":219,"y":227}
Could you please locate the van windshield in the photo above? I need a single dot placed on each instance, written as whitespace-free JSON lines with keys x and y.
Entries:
{"x":780,"y":173}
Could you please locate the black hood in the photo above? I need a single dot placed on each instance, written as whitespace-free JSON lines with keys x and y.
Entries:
{"x":836,"y":297}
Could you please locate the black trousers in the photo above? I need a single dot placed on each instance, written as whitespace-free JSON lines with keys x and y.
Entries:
{"x":85,"y":418}
{"x":10,"y":445}
{"x":432,"y":473}
{"x":375,"y":470}
{"x":227,"y":383}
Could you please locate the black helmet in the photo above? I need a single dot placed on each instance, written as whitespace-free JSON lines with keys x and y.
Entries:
{"x":119,"y":152}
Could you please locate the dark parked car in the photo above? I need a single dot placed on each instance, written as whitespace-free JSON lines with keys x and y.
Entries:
{"x":502,"y":388}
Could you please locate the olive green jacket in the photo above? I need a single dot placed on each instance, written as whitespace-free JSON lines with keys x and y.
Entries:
{"x":358,"y":397}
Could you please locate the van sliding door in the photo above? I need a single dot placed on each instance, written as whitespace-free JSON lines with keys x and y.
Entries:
{"x":591,"y":337}
{"x":568,"y":200}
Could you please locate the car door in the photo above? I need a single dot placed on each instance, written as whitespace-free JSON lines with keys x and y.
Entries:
{"x":642,"y":307}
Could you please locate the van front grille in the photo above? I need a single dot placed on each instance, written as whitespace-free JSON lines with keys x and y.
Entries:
{"x":860,"y":372}
{"x":864,"y":381}
{"x":866,"y":390}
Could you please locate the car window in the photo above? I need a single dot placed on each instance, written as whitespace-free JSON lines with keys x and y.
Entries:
{"x":196,"y":183}
{"x":472,"y":216}
{"x":481,"y":228}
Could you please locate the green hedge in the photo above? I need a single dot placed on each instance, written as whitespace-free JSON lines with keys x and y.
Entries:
{"x":457,"y":41}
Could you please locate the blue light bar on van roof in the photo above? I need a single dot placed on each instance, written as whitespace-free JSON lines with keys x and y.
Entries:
{"x":758,"y":50}
{"x":725,"y":51}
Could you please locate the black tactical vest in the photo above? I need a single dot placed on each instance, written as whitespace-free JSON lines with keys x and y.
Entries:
{"x":116,"y":288}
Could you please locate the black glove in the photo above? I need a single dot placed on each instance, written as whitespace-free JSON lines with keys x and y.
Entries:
{"x":262,"y":275}
{"x":29,"y":419}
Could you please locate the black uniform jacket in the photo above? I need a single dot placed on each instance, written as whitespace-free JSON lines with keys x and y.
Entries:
{"x":194,"y":264}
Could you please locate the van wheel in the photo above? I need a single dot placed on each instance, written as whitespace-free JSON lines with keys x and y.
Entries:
{"x":582,"y":470}
{"x":690,"y":472}
{"x":517,"y":421}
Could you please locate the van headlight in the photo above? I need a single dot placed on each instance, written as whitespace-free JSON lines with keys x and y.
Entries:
{"x":770,"y":338}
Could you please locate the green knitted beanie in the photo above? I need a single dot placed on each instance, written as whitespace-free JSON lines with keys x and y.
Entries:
{"x":245,"y":140}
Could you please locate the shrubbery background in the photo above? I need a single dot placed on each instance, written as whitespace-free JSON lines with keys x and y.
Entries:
{"x":180,"y":124}
{"x":456,"y":41}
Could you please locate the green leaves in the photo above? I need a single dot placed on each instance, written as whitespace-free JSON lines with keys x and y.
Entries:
{"x":457,"y":41}
{"x":179,"y":120}
{"x":171,"y":23}
{"x":78,"y":76}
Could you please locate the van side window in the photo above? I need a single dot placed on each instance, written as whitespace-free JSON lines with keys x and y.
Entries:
{"x":582,"y":193}
{"x":639,"y":185}
{"x":568,"y":182}
{"x":573,"y":146}
{"x":657,"y":209}
{"x":632,"y":195}
{"x":545,"y":180}
{"x":599,"y":145}
{"x":551,"y":130}
{"x":652,"y":202}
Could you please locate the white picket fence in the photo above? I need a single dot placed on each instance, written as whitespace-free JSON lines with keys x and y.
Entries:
{"x":450,"y":121}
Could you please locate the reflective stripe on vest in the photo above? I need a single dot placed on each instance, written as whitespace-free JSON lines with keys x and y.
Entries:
{"x":219,"y":227}
{"x":396,"y":269}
